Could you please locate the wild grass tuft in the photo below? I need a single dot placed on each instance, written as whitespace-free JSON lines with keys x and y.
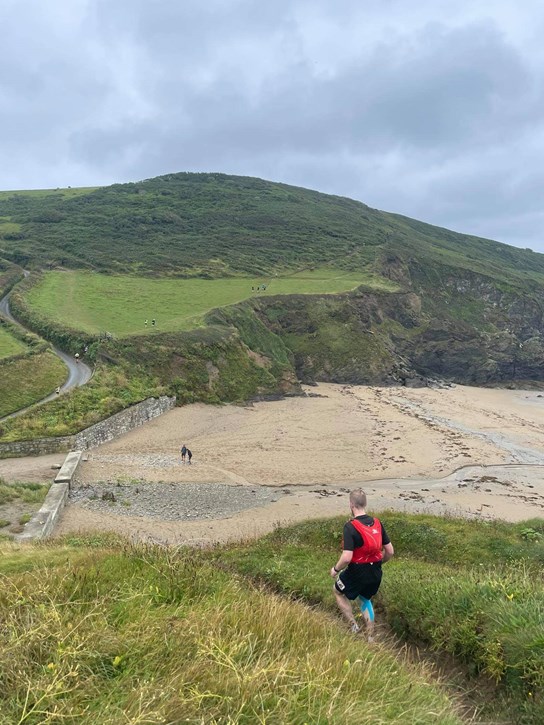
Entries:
{"x":142,"y":635}
{"x":471,"y":589}
{"x":20,"y":491}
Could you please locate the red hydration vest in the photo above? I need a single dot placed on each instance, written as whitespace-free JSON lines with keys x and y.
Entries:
{"x":371,"y":550}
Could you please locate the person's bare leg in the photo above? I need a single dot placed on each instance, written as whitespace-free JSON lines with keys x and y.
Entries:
{"x":345,"y":606}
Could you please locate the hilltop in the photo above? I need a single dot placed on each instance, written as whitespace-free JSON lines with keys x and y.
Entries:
{"x":213,"y":224}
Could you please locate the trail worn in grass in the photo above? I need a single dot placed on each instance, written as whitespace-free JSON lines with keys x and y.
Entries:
{"x":27,"y":380}
{"x":141,"y":635}
{"x":474,"y":590}
{"x":120,"y":304}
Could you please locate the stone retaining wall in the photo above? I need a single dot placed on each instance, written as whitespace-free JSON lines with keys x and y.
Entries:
{"x":36,"y":447}
{"x":122,"y":422}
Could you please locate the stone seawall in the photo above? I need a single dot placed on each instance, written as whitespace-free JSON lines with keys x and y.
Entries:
{"x":122,"y":422}
{"x":36,"y":447}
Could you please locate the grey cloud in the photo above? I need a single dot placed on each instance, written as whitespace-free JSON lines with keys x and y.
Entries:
{"x":411,"y":112}
{"x":439,"y":100}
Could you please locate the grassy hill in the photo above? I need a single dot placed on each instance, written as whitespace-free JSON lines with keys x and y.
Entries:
{"x":214,"y":224}
{"x":9,"y":344}
{"x":100,"y":630}
{"x":28,"y":368}
{"x":9,"y":273}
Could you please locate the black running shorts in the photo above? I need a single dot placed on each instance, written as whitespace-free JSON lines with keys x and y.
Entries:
{"x":360,"y":580}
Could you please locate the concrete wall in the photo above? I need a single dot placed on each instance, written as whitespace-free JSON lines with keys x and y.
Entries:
{"x":122,"y":422}
{"x":43,"y":522}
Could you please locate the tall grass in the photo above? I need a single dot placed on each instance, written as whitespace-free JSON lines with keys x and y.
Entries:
{"x":26,"y":492}
{"x":18,"y":501}
{"x":138,"y":635}
{"x":487,"y":609}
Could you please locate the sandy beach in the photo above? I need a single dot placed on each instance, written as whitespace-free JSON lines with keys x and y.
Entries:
{"x":458,"y":450}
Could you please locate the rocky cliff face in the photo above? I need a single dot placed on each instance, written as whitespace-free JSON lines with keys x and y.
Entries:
{"x":465,"y":329}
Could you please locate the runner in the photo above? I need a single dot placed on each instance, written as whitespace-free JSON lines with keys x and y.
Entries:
{"x":77,"y":357}
{"x":189,"y":455}
{"x":183,"y":452}
{"x":365,"y":547}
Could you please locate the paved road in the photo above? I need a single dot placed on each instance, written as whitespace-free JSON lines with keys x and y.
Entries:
{"x":78,"y":373}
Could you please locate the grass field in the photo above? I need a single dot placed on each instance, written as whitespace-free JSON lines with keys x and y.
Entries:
{"x":98,"y":631}
{"x":121,"y":304}
{"x":43,"y":193}
{"x":27,"y":380}
{"x":9,"y":345}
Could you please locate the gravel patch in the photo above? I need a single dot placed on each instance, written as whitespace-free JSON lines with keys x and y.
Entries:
{"x":143,"y":460}
{"x":172,"y":501}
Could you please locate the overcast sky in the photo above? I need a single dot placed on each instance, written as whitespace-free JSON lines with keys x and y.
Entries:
{"x":433,"y":109}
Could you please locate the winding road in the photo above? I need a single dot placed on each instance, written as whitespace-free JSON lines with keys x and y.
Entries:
{"x":78,"y":373}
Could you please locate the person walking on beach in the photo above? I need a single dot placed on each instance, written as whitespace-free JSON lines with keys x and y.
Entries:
{"x":358,"y":571}
{"x":183,"y":452}
{"x":189,"y":455}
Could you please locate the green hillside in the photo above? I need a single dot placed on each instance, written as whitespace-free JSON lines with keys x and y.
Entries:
{"x":214,"y":224}
{"x":97,"y":629}
{"x":9,"y":344}
{"x":9,"y":273}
